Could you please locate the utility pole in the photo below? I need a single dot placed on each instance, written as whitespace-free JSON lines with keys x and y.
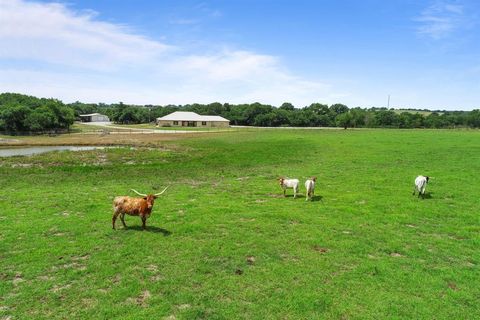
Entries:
{"x":388,"y":102}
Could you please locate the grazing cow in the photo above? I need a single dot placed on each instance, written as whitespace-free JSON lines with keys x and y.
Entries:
{"x":420,"y":185}
{"x":310,"y":186}
{"x":134,"y":207}
{"x":289,"y":184}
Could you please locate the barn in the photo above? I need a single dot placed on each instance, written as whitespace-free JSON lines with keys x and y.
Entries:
{"x":94,"y":117}
{"x":191,"y":119}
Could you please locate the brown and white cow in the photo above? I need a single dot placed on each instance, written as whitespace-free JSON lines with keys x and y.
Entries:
{"x":289,"y":184}
{"x":132,"y":206}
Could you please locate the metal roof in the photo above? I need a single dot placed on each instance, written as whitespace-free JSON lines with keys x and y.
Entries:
{"x":92,"y":114}
{"x":190,"y":116}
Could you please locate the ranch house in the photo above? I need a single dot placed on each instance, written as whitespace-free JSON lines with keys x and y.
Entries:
{"x":191,"y":119}
{"x":94,"y":117}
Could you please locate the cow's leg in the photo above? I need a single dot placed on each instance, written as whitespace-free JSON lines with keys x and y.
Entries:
{"x":122,"y":217}
{"x":284,"y":192}
{"x":114,"y":218}
{"x":144,"y":220}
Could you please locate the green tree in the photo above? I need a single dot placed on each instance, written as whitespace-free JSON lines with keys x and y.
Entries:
{"x":13,"y":118}
{"x":344,"y":120}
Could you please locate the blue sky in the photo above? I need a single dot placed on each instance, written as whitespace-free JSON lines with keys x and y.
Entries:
{"x":424,"y":54}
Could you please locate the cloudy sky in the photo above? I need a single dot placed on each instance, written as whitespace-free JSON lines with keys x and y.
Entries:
{"x":424,"y":54}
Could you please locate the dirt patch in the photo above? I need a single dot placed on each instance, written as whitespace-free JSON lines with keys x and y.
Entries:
{"x":45,"y":278}
{"x":58,"y":288}
{"x":58,"y":234}
{"x":8,"y":141}
{"x":320,"y":249}
{"x":73,"y":265}
{"x":17,"y":279}
{"x":260,"y":201}
{"x":156,"y":278}
{"x":116,"y":278}
{"x":251,"y":260}
{"x":184,"y":306}
{"x":453,"y":286}
{"x":129,"y":139}
{"x":89,"y":303}
{"x":396,"y":255}
{"x":152,"y":268}
{"x":22,"y":165}
{"x":275,"y":195}
{"x":141,"y":300}
{"x":81,"y":258}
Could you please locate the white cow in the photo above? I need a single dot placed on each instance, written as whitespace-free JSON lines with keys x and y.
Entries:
{"x":289,"y":184}
{"x":310,"y":186}
{"x":420,"y":185}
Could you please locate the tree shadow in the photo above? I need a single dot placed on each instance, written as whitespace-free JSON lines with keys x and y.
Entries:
{"x":153,"y":229}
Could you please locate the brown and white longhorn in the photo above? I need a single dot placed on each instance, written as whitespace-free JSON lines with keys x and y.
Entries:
{"x":134,"y":206}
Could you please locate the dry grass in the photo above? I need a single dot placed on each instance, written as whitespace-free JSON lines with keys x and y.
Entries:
{"x":137,"y":139}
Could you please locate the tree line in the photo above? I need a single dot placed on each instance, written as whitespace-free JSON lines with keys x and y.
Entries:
{"x":21,"y":113}
{"x":314,"y":115}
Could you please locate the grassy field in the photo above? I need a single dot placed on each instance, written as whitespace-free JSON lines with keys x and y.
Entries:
{"x":222,"y":243}
{"x":422,"y":112}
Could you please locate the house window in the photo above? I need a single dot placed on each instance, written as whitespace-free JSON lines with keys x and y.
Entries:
{"x":204,"y":123}
{"x":175,"y":123}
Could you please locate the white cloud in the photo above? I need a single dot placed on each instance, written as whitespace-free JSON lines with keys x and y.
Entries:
{"x":441,"y":19}
{"x":51,"y":50}
{"x":52,"y":33}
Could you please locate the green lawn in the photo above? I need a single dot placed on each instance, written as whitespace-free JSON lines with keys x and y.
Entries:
{"x":223,"y":244}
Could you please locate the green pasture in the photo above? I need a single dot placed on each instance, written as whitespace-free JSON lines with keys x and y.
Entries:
{"x":223,"y":242}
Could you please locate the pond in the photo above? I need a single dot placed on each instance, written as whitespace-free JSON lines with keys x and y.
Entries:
{"x":28,"y":151}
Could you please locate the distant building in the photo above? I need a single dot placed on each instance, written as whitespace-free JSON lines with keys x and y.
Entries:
{"x":191,"y":119}
{"x":94,"y":117}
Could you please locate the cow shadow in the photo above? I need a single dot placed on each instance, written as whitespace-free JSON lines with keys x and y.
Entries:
{"x":153,"y":229}
{"x":302,"y":196}
{"x":427,"y":195}
{"x":299,"y":195}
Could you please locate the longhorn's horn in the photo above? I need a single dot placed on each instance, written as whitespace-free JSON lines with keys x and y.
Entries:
{"x":140,"y":194}
{"x":157,"y":194}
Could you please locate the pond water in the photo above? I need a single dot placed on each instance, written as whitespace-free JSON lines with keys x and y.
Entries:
{"x":28,"y":151}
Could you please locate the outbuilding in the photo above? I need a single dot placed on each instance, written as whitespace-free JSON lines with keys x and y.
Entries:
{"x":94,"y":117}
{"x":191,"y":119}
